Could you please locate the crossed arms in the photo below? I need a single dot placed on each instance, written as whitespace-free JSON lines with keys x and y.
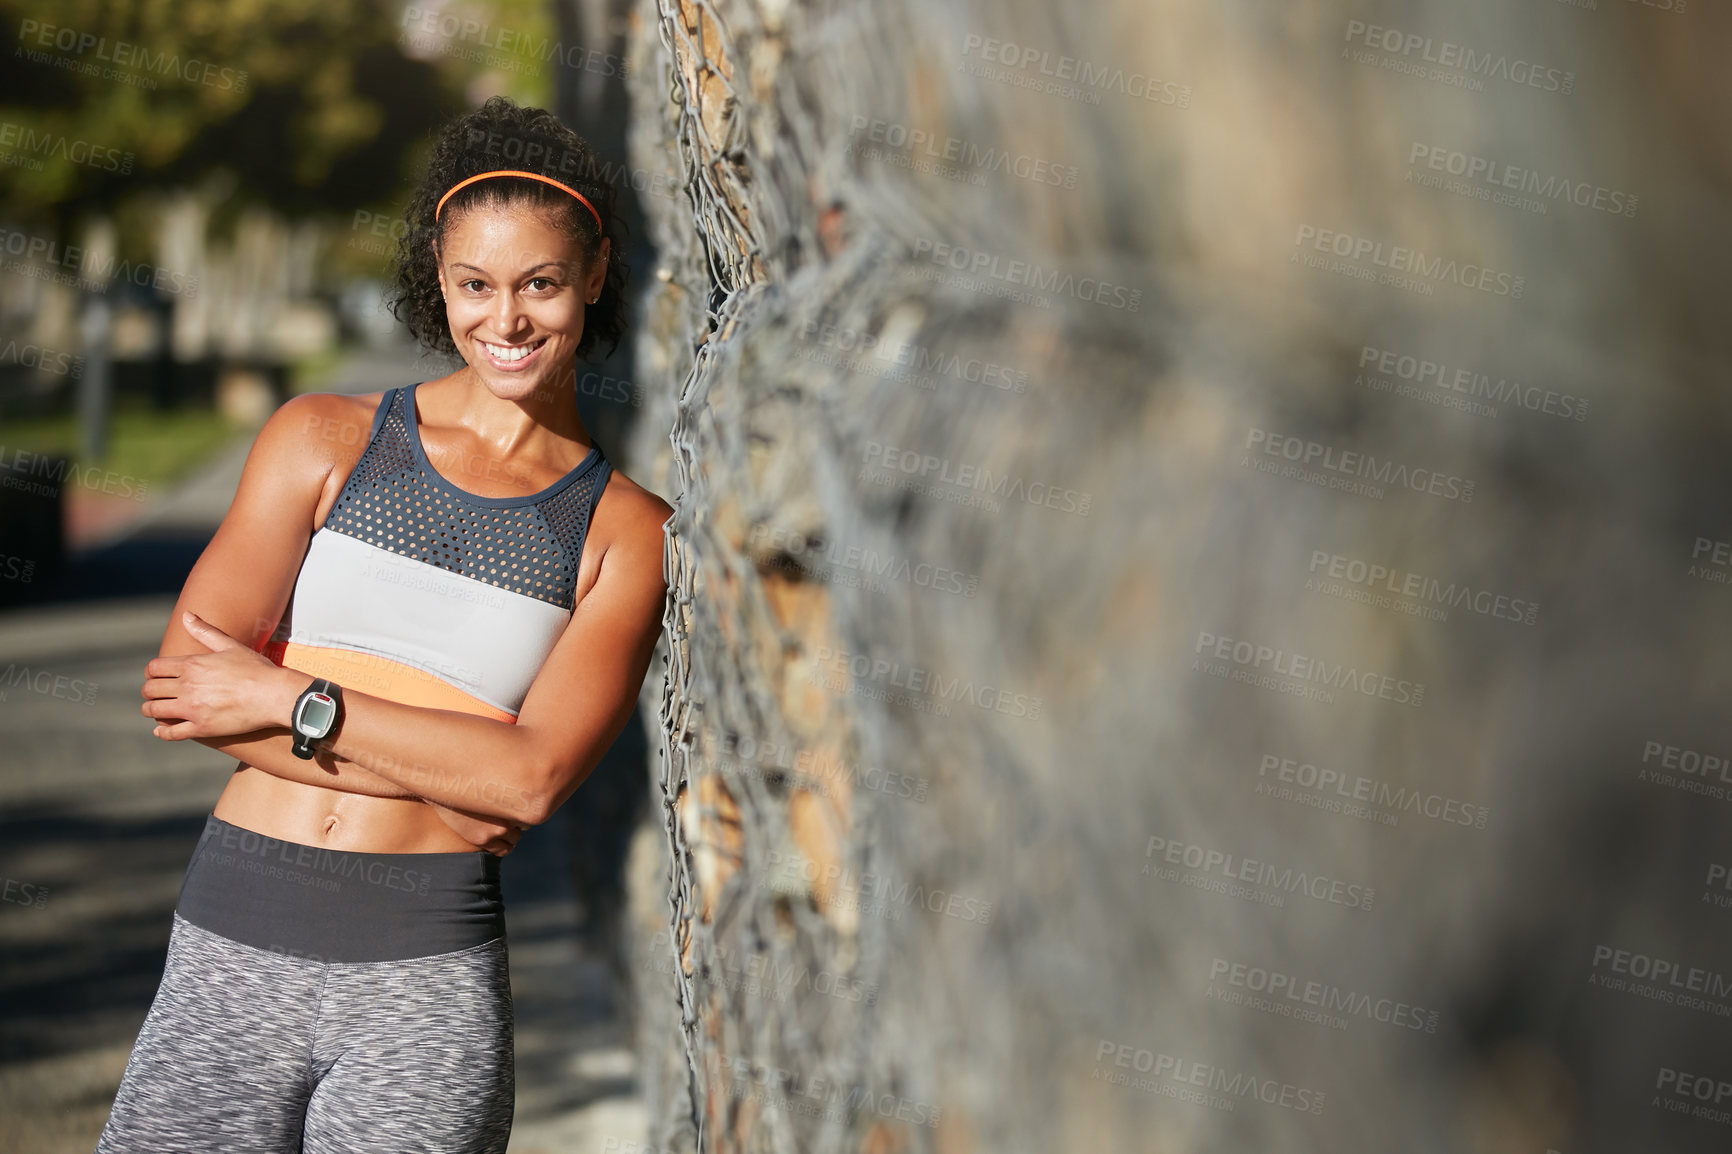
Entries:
{"x":210,"y":684}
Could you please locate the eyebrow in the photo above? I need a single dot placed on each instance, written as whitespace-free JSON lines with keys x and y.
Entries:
{"x":544,"y":264}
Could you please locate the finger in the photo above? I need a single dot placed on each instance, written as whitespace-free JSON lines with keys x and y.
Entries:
{"x":161,"y":709}
{"x":161,"y":687}
{"x":177,"y":732}
{"x":165,"y":666}
{"x":207,"y":634}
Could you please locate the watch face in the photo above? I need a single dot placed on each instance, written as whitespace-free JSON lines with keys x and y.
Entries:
{"x":317,"y":714}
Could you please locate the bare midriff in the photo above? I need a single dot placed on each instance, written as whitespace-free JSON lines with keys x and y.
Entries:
{"x":333,"y":819}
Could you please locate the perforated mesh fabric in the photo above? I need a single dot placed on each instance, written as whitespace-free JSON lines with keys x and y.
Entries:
{"x":533,"y":548}
{"x":567,"y":513}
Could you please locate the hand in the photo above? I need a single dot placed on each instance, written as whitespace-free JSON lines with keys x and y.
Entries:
{"x":488,"y":833}
{"x":231,"y":690}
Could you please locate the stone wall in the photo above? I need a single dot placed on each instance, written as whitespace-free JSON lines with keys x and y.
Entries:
{"x":1178,"y":591}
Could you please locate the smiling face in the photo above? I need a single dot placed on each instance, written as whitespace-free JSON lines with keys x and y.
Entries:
{"x":515,"y":286}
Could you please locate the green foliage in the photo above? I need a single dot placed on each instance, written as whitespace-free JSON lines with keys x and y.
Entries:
{"x":312,"y":107}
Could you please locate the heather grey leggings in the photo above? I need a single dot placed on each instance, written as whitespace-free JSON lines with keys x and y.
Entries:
{"x":257,"y":1050}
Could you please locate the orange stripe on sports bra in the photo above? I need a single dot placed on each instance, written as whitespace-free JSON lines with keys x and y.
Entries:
{"x":380,"y":677}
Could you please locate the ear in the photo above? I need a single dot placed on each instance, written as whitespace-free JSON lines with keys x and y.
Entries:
{"x":598,"y":270}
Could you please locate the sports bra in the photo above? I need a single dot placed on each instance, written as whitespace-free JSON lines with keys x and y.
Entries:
{"x":420,"y":592}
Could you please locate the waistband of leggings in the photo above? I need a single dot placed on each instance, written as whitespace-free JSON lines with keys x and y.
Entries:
{"x":339,"y":905}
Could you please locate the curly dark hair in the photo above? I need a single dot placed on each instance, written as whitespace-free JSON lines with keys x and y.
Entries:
{"x":501,"y":134}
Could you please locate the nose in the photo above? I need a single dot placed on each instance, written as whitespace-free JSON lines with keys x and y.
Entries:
{"x":508,"y":315}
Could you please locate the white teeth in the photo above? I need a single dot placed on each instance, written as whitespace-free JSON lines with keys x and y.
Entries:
{"x":510,"y":352}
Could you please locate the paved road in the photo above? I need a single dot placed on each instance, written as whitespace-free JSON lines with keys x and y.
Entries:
{"x":98,"y":819}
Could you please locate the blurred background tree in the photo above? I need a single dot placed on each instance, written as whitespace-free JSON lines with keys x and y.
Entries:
{"x":314,"y":108}
{"x":224,"y":155}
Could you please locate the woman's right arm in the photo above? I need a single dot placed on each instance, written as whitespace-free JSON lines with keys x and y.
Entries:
{"x":245,"y":576}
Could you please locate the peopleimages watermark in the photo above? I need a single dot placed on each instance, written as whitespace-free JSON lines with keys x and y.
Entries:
{"x":1687,"y":770}
{"x":1719,"y":886}
{"x":20,"y":893}
{"x":1347,"y":470}
{"x":876,"y":894}
{"x":1199,"y":1083}
{"x":376,"y":233}
{"x":861,"y":566}
{"x":131,"y":63}
{"x":1249,"y":879}
{"x":923,"y":365}
{"x":305,"y":865}
{"x":883,"y":462}
{"x":24,"y":147}
{"x":1358,"y":796}
{"x":19,"y":569}
{"x":602,"y":387}
{"x":1446,"y":61}
{"x":1692,"y":1094}
{"x":1288,"y":995}
{"x":614,"y":1145}
{"x":817,"y":1096}
{"x":757,"y":975}
{"x":499,"y":46}
{"x":88,"y":273}
{"x":814,"y":770}
{"x":418,"y":776}
{"x":1482,"y":178}
{"x":568,"y":164}
{"x":1387,"y":587}
{"x":952,"y":155}
{"x":47,"y":683}
{"x":1006,"y":277}
{"x":1674,"y":7}
{"x":1296,"y":673}
{"x":394,"y":569}
{"x":1068,"y":76}
{"x":860,"y":669}
{"x":1661,"y":980}
{"x":1711,"y":561}
{"x":1397,"y":266}
{"x":33,"y":356}
{"x":1464,"y":389}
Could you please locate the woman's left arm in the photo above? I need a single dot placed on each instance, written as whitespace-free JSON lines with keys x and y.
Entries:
{"x":576,"y":707}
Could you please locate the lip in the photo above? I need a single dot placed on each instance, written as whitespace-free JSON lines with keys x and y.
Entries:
{"x":517,"y":366}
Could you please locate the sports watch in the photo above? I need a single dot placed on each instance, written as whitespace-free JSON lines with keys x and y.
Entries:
{"x":316,"y":712}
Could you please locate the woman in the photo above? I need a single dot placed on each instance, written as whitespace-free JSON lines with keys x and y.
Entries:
{"x":459,"y":598}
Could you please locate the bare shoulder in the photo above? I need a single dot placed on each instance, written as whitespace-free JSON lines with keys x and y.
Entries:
{"x":322,"y":427}
{"x":319,"y":418}
{"x":631,"y":517}
{"x":307,"y":441}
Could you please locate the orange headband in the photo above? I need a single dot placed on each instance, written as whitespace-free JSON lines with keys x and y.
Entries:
{"x":526,"y":176}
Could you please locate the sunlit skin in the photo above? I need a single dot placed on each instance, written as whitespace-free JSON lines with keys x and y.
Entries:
{"x":512,"y":280}
{"x":396,"y":778}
